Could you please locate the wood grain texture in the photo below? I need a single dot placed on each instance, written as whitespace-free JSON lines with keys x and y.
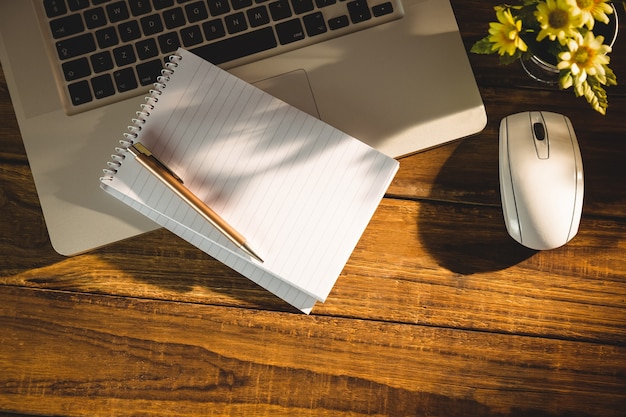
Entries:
{"x":438,"y":312}
{"x":162,"y":358}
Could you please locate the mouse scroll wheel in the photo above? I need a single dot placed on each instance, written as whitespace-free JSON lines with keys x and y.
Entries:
{"x":540,"y":131}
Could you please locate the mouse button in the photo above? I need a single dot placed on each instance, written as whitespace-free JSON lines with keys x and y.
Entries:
{"x":540,"y":131}
{"x":540,"y":135}
{"x":562,"y":147}
{"x":557,"y":128}
{"x":522,"y":152}
{"x":542,"y":143}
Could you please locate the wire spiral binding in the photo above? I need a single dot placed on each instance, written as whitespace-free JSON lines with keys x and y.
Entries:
{"x":142,"y":115}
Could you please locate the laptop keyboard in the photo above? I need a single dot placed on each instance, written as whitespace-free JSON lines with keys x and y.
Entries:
{"x":109,"y":50}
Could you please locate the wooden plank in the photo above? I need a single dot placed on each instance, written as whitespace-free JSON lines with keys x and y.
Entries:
{"x":448,"y":264}
{"x":72,"y":354}
{"x":453,"y":265}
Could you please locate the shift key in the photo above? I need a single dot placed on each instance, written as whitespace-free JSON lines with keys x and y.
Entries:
{"x":78,"y":45}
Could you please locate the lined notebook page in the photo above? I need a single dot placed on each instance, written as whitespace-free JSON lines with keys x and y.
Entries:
{"x":277,"y":286}
{"x":299,"y":190}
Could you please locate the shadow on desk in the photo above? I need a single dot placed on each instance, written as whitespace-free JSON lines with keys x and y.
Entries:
{"x":476,"y":239}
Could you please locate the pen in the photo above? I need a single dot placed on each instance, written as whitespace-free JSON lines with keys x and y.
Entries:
{"x":175,"y":183}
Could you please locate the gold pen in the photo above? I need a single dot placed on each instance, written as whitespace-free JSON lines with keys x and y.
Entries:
{"x":175,"y":183}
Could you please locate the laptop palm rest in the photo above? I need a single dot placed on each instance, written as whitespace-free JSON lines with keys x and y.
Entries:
{"x":292,"y":87}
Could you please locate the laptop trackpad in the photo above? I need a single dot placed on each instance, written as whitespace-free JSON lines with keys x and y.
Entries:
{"x":292,"y":87}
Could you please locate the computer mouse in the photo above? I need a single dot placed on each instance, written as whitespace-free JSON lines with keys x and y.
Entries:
{"x":541,"y":179}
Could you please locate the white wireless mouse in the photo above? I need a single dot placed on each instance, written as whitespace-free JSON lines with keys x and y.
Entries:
{"x":541,"y":179}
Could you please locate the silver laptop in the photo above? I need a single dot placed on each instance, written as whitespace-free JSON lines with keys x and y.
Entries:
{"x":391,"y":73}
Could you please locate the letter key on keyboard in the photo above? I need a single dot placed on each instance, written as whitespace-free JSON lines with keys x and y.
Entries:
{"x":109,"y":50}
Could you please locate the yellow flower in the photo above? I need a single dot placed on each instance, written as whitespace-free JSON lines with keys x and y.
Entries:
{"x":593,"y":10}
{"x":559,"y":19}
{"x":505,"y":34}
{"x":585,"y":57}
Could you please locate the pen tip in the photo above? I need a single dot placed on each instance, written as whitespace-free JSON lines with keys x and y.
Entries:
{"x":246,"y":247}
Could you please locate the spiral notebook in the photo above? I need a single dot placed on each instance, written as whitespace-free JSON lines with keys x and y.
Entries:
{"x":301,"y":191}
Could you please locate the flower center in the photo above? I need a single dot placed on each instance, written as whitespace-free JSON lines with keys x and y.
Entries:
{"x":585,"y":4}
{"x":583,"y":56}
{"x":558,"y":19}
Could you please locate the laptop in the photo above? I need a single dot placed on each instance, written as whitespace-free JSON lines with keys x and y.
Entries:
{"x":392,"y":73}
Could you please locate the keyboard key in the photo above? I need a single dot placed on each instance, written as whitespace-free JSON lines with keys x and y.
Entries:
{"x":117,"y":11}
{"x":258,"y":16}
{"x":289,"y":31}
{"x":196,"y":11}
{"x":213,"y":29}
{"x":106,"y":37}
{"x":78,"y":45}
{"x":66,"y":26}
{"x":324,"y":3}
{"x":129,"y":31}
{"x":240,"y":4}
{"x":149,"y":71}
{"x":101,"y":62}
{"x":78,"y":68}
{"x":77,"y":4}
{"x":125,"y":79}
{"x":139,"y":7}
{"x":95,"y":18}
{"x":191,"y":35}
{"x":174,"y":18}
{"x":124,"y":55}
{"x":102,"y":86}
{"x":302,"y":6}
{"x":218,"y":7}
{"x":314,"y":24}
{"x":236,"y":23}
{"x":54,"y":8}
{"x":124,"y":42}
{"x":359,"y":11}
{"x":382,"y":9}
{"x":238,"y":46}
{"x":80,"y":93}
{"x":280,"y":10}
{"x":151,"y":24}
{"x":146,"y":48}
{"x":168,"y":42}
{"x":162,"y":4}
{"x":338,"y":22}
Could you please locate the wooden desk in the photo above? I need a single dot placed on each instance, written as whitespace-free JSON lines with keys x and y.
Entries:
{"x":438,"y":311}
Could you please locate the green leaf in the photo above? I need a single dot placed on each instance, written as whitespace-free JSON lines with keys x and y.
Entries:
{"x":611,"y":78}
{"x":507,"y":59}
{"x":595,"y":94}
{"x":483,"y":46}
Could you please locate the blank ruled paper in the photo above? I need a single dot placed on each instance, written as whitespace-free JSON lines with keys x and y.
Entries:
{"x":299,"y":190}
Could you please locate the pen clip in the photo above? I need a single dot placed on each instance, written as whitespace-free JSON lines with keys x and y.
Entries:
{"x":139,"y":149}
